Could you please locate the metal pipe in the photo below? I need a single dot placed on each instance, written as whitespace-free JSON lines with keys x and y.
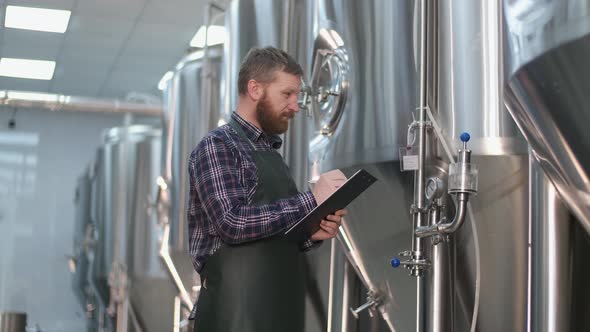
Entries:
{"x":418,"y":206}
{"x":56,"y":102}
{"x":440,"y":295}
{"x":335,"y":291}
{"x":350,"y":297}
{"x":344,"y":288}
{"x":551,"y":256}
{"x":419,"y":174}
{"x":447,"y":228}
{"x":165,"y":255}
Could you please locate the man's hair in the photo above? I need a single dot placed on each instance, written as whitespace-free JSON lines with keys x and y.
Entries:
{"x":260,"y":64}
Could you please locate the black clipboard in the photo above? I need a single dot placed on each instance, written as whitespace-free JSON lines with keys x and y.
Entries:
{"x":349,"y":191}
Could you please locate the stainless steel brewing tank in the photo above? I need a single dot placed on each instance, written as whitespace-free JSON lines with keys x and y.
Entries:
{"x":547,"y":48}
{"x":362,"y":61}
{"x":115,"y":192}
{"x":469,"y":97}
{"x":192,"y":108}
{"x":151,"y":292}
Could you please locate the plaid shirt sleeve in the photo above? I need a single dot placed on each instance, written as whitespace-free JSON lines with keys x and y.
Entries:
{"x":214,"y":167}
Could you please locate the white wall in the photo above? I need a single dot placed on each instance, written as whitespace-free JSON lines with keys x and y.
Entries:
{"x":39,"y":162}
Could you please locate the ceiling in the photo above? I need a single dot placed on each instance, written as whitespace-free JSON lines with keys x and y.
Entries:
{"x":112,"y":47}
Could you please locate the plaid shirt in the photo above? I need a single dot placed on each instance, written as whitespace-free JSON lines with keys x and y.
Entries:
{"x":223,"y":181}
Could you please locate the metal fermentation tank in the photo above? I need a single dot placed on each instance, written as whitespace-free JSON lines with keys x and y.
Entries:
{"x":547,"y":43}
{"x":192,"y":108}
{"x":366,"y":58}
{"x":127,"y":271}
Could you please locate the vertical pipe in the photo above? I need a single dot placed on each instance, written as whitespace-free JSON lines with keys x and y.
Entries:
{"x":419,"y":216}
{"x":335,"y":289}
{"x":551,"y":253}
{"x":343,"y":288}
{"x":350,"y":297}
{"x":440,"y":294}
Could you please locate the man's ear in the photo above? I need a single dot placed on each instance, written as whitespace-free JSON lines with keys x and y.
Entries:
{"x":255,"y":90}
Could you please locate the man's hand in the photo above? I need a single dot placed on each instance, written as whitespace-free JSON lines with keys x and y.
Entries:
{"x":329,"y":229}
{"x":327,"y":184}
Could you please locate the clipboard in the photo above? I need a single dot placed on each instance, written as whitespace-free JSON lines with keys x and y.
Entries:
{"x":339,"y":199}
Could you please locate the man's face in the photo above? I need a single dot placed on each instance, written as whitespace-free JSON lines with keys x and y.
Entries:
{"x":278,"y":103}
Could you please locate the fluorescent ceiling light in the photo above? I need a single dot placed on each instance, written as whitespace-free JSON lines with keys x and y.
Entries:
{"x":23,"y":68}
{"x":216,"y":35}
{"x":40,"y":19}
{"x":164,"y":80}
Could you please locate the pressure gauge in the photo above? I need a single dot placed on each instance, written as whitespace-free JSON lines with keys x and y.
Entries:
{"x":434,"y":188}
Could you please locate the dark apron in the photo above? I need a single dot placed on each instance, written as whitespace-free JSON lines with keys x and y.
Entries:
{"x":257,"y":286}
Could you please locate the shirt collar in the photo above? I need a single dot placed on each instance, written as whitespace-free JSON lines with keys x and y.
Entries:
{"x":255,"y":134}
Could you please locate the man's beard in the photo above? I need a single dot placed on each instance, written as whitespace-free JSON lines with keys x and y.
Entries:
{"x":271,"y":123}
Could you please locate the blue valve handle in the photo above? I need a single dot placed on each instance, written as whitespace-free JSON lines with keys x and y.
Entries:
{"x":395,"y":262}
{"x":465,"y":137}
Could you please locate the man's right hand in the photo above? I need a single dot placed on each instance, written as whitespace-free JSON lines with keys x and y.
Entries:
{"x":327,"y":184}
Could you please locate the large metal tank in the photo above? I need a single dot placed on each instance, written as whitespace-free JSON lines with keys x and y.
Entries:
{"x":192,"y":108}
{"x":127,"y":163}
{"x":151,"y":292}
{"x":192,"y":100}
{"x":367,"y":54}
{"x":363,"y":53}
{"x":470,"y":98}
{"x":548,"y":43}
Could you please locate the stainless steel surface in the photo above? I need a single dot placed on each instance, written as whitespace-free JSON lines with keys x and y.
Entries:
{"x":462,"y":100}
{"x":53,"y":102}
{"x":501,"y":212}
{"x":551,"y":256}
{"x":440,"y":298}
{"x":470,"y":98}
{"x":548,"y":44}
{"x":471,"y":78}
{"x":382,"y":88}
{"x":118,"y":202}
{"x":381,"y":97}
{"x":419,"y":216}
{"x":581,"y":275}
{"x":299,"y":43}
{"x":117,"y":170}
{"x":13,"y":322}
{"x":377,"y":227}
{"x":192,"y":108}
{"x":151,"y":294}
{"x":344,"y":285}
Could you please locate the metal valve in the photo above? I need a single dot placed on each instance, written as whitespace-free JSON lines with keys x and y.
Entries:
{"x":370,"y":304}
{"x":416,"y":264}
{"x":305,"y":100}
{"x":323,"y":94}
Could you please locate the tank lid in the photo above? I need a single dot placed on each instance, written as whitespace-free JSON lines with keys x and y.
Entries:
{"x":116,"y":134}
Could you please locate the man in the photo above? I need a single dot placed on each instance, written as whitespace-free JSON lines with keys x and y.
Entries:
{"x":243,"y":198}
